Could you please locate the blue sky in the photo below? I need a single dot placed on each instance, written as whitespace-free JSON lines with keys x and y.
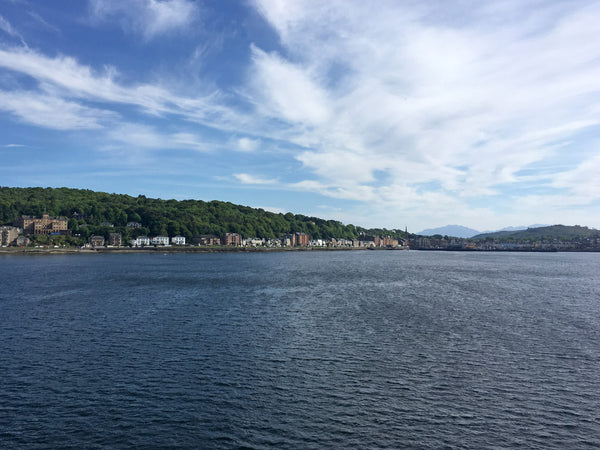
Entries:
{"x":407,"y":113}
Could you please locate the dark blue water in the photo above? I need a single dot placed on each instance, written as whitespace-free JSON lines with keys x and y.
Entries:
{"x":300,"y":350}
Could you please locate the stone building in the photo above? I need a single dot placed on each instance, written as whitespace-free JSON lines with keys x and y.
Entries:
{"x":231,"y":239}
{"x":206,"y":239}
{"x":300,"y":239}
{"x":97,"y":241}
{"x":115,"y":239}
{"x":44,"y":226}
{"x":388,"y":241}
{"x":296,"y":239}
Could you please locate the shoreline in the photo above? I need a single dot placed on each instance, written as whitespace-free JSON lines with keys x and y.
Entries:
{"x":76,"y":250}
{"x":109,"y":250}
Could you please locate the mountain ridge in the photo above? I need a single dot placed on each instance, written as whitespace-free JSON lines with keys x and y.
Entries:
{"x":450,"y":230}
{"x":461,"y":231}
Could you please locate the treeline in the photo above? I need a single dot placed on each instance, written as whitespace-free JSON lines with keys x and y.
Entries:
{"x":87,"y":210}
{"x":560,"y":232}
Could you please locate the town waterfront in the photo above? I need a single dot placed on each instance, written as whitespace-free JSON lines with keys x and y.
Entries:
{"x":300,"y":350}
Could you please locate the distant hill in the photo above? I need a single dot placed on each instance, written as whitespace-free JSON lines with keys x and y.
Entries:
{"x":450,"y":230}
{"x":548,"y":232}
{"x":517,"y":228}
{"x":101,"y":213}
{"x":465,"y":232}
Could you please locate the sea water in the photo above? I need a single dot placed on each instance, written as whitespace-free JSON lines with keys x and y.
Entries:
{"x":357,"y":349}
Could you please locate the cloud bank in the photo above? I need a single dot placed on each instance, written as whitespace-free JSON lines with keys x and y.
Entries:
{"x":400,"y":105}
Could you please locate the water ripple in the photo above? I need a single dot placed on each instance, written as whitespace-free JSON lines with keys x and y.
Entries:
{"x":301,"y":350}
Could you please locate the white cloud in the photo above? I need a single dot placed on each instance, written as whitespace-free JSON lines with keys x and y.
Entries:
{"x":583,"y":181}
{"x":245,"y":178}
{"x":150,"y":18}
{"x":51,"y":112}
{"x":63,"y":76}
{"x":41,"y":21}
{"x":286,"y":92}
{"x":414,"y":107}
{"x":138,"y":136}
{"x":246,"y":144}
{"x":8,"y":29}
{"x":190,"y":141}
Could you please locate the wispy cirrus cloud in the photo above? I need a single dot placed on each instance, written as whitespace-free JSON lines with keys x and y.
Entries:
{"x":149,"y":18}
{"x":52,"y":112}
{"x":582,"y":180}
{"x":141,"y":136}
{"x":72,"y":96}
{"x":43,"y":22}
{"x":410,"y":106}
{"x":64,"y":77}
{"x":7,"y":28}
{"x":65,"y":74}
{"x":272,"y":76}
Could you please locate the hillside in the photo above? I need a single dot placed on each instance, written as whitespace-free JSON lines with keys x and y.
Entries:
{"x":561,"y":232}
{"x":87,"y":210}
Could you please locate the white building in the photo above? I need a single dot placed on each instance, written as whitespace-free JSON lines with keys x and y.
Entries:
{"x":343,"y":243}
{"x":160,"y":240}
{"x":140,"y":241}
{"x":274,"y":243}
{"x":254,"y":242}
{"x":178,"y":240}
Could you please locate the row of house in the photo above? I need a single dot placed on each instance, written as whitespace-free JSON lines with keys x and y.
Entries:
{"x":303,"y":240}
{"x":144,"y":241}
{"x":47,"y":225}
{"x":114,"y":240}
{"x":297,"y":239}
{"x":228,"y":239}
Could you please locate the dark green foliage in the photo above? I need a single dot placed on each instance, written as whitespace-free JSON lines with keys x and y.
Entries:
{"x":560,"y":232}
{"x":164,"y":217}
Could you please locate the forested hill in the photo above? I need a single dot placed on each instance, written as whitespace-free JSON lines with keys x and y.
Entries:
{"x":88,"y":210}
{"x":562,"y":232}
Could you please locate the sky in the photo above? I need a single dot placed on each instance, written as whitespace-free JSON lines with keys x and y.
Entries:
{"x":382,"y":114}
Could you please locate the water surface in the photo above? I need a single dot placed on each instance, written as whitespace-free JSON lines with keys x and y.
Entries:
{"x":362,"y":349}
